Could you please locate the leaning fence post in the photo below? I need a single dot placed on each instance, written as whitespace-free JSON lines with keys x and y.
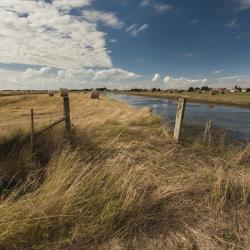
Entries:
{"x":179,"y":118}
{"x":67,"y":114}
{"x":65,"y":95}
{"x":32,"y":131}
{"x":208,"y":133}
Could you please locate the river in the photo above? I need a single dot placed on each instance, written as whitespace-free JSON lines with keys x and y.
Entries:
{"x":232,"y":118}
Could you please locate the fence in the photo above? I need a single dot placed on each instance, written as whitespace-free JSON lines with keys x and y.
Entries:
{"x":179,"y":124}
{"x":66,"y":119}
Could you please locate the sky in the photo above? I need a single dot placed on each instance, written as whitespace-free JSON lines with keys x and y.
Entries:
{"x":48,"y":44}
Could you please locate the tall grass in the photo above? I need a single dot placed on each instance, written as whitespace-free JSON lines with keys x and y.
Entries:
{"x":124,"y":185}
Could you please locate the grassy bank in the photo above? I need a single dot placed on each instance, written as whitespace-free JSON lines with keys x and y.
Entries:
{"x":237,"y":99}
{"x":125,"y":184}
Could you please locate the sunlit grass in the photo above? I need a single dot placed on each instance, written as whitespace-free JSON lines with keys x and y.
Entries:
{"x":124,"y":184}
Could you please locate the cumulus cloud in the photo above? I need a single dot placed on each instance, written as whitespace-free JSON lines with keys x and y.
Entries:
{"x":66,"y":4}
{"x":145,"y":3}
{"x":40,"y":33}
{"x":162,"y":7}
{"x":219,"y":71}
{"x":115,"y":74}
{"x":107,"y":18}
{"x":166,"y":79}
{"x":183,"y":82}
{"x":156,"y":77}
{"x":135,"y":29}
{"x":158,"y":7}
{"x":50,"y":78}
{"x":232,"y":24}
{"x":244,"y":4}
{"x":189,"y":55}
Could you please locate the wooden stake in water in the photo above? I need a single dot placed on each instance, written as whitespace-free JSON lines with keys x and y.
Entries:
{"x":179,"y":118}
{"x":208,"y":134}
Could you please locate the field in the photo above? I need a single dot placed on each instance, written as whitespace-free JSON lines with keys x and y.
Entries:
{"x":123,"y":184}
{"x":240,"y":99}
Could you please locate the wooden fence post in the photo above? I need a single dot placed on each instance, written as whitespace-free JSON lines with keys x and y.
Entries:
{"x":208,"y":133}
{"x":179,"y":118}
{"x":32,"y":131}
{"x":67,"y":116}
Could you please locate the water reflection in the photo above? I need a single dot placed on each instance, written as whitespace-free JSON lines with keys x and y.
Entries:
{"x":236,"y":119}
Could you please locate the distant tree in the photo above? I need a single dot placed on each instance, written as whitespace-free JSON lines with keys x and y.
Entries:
{"x":248,"y":89}
{"x":205,"y":88}
{"x":136,"y":90}
{"x":102,"y":89}
{"x":197,"y":89}
{"x":190,"y":89}
{"x":155,"y":89}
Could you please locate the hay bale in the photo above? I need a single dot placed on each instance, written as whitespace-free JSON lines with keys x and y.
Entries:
{"x":95,"y":94}
{"x":51,"y":93}
{"x":64,"y":92}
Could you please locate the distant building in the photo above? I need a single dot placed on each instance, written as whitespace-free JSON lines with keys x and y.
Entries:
{"x":234,"y":90}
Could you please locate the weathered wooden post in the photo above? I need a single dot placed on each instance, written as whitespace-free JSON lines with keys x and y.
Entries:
{"x":65,"y":94}
{"x":208,"y":134}
{"x":32,"y":131}
{"x":179,"y":118}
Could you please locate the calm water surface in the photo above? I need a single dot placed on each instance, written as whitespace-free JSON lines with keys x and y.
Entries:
{"x":235,"y":119}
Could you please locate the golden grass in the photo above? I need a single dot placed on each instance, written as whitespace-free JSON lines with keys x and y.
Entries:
{"x":124,"y":185}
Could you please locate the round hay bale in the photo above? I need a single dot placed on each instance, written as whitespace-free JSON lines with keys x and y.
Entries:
{"x":64,"y":92}
{"x":95,"y":94}
{"x":51,"y":93}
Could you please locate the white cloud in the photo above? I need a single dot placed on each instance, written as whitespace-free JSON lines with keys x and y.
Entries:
{"x":219,"y":71}
{"x":114,"y":74}
{"x":158,"y":7}
{"x":30,"y":72}
{"x":166,"y":79}
{"x":49,"y":78}
{"x":145,"y":3}
{"x":107,"y":18}
{"x":156,"y":77}
{"x":38,"y":33}
{"x":232,"y":24}
{"x":204,"y":81}
{"x":244,"y":4}
{"x":183,"y":82}
{"x":68,"y":4}
{"x":189,"y":55}
{"x":135,"y":29}
{"x":162,"y":7}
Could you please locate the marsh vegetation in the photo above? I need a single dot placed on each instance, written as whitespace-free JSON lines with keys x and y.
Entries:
{"x":124,"y":184}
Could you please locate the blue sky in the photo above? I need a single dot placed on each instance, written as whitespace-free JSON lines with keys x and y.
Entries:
{"x":124,"y":43}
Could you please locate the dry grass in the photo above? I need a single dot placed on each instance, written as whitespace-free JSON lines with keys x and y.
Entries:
{"x":124,"y":185}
